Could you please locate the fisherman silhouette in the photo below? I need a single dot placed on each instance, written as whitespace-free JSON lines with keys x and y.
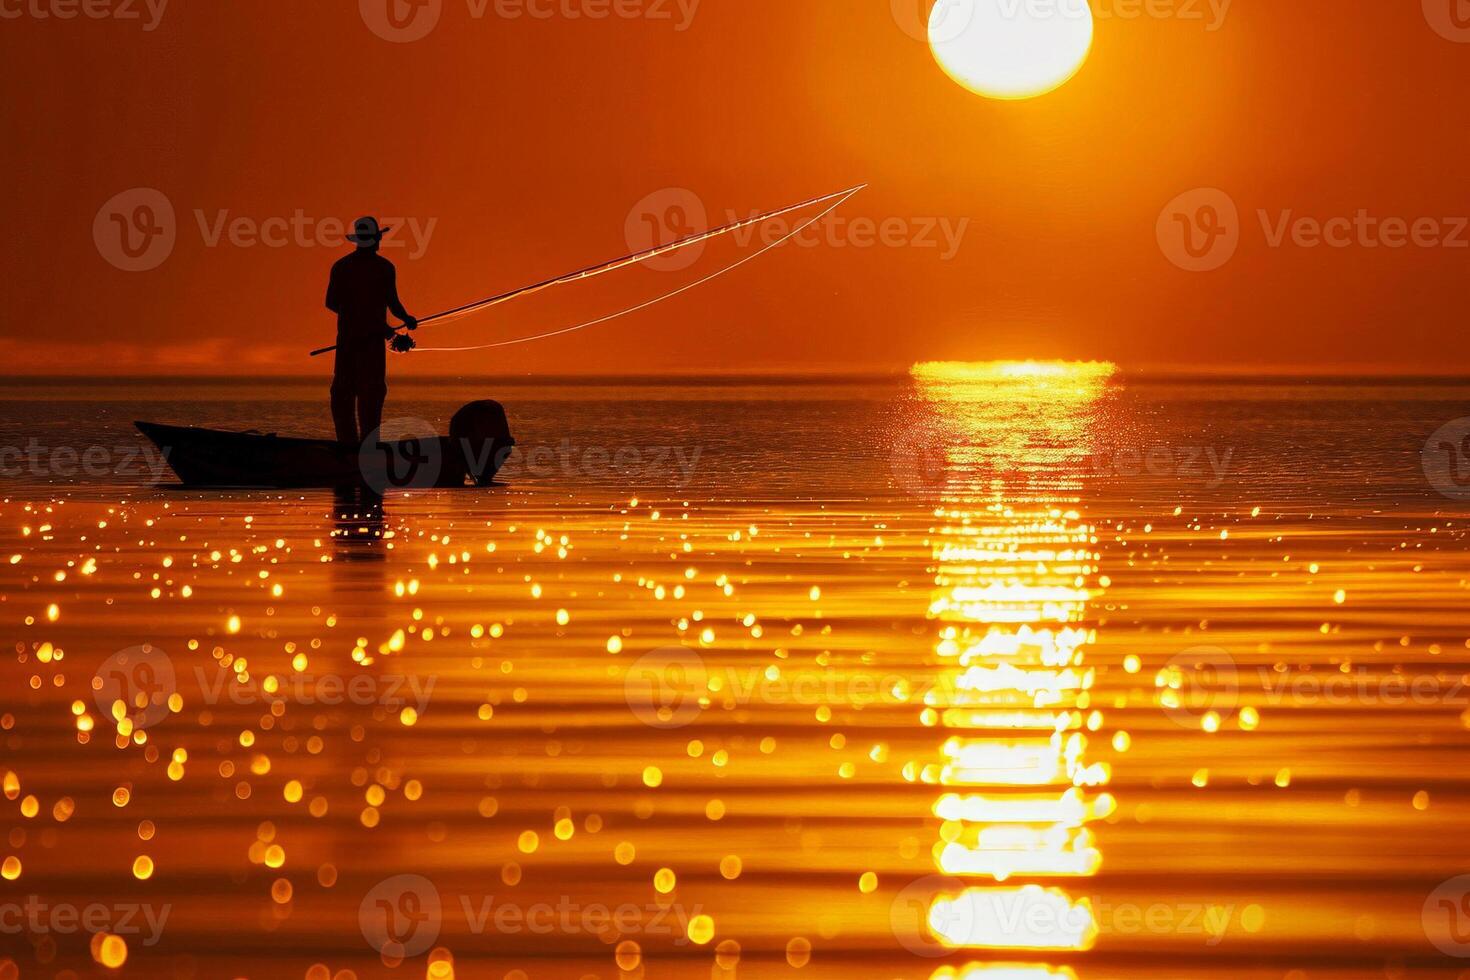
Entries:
{"x":362,"y":291}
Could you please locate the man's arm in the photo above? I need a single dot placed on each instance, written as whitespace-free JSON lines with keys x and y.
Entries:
{"x":395,"y":305}
{"x":334,"y":297}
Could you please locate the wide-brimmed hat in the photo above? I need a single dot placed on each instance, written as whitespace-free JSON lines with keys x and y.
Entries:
{"x":365,"y":231}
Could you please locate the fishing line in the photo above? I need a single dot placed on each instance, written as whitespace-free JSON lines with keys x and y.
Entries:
{"x":845,"y":195}
{"x":624,"y":262}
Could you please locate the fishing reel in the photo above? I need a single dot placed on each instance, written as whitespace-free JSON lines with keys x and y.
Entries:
{"x":402,"y":343}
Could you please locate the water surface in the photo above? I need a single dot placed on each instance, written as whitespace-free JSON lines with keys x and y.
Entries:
{"x":988,"y":674}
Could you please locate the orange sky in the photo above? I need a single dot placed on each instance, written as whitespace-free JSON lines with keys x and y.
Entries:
{"x":527,"y":140}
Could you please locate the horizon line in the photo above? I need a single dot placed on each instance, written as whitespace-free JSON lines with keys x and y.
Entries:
{"x":1174,"y":374}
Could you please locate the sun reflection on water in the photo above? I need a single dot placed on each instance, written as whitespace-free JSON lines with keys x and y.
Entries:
{"x":1017,"y":566}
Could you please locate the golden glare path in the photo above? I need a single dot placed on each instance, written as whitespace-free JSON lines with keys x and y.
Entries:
{"x":1017,"y":566}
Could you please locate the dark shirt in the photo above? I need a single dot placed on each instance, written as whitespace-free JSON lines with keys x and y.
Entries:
{"x":362,"y":291}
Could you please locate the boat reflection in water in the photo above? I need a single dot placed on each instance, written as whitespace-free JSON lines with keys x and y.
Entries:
{"x":1016,"y":567}
{"x":358,"y":524}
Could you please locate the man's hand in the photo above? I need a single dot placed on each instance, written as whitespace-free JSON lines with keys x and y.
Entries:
{"x":410,"y":323}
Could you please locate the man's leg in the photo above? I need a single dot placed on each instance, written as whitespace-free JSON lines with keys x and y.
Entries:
{"x":344,"y":397}
{"x":370,"y":398}
{"x":372,"y":390}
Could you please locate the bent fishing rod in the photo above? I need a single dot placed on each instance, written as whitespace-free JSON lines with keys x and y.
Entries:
{"x":624,"y":261}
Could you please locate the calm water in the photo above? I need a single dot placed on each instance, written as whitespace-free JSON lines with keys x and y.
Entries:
{"x":971,"y":675}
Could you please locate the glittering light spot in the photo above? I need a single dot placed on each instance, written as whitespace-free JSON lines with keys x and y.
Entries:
{"x":701,"y":929}
{"x":727,"y":954}
{"x":628,"y":956}
{"x":109,"y":950}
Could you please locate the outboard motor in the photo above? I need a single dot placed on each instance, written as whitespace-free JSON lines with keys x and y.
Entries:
{"x":480,"y":435}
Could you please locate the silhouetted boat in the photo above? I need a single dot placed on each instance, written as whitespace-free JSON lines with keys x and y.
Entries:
{"x":478,"y":447}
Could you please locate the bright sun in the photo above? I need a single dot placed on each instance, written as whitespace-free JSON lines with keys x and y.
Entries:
{"x":1011,"y":49}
